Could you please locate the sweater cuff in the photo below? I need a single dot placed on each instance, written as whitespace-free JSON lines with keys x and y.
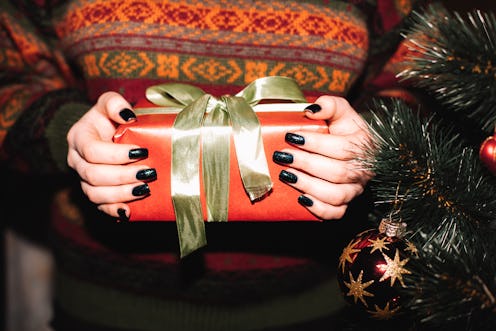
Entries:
{"x":37,"y":142}
{"x":57,"y":129}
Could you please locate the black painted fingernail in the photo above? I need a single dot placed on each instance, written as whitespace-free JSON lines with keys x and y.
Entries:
{"x":127,"y":114}
{"x":314,"y":108}
{"x":138,"y":153}
{"x":140,"y":190}
{"x":287,"y":177}
{"x":294,"y":138}
{"x":305,"y":201}
{"x":282,"y":157}
{"x":146,"y":174}
{"x":122,"y":215}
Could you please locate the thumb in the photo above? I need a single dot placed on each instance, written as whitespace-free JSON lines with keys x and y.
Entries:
{"x":114,"y":106}
{"x":339,"y":114}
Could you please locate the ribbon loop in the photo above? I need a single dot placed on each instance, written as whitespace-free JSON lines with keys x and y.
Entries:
{"x":211,"y":122}
{"x":272,"y":87}
{"x":173,"y":94}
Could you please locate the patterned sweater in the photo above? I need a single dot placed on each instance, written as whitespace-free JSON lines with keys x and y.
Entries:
{"x":57,"y":57}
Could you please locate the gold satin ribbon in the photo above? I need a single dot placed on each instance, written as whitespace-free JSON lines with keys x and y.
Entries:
{"x":212,"y":121}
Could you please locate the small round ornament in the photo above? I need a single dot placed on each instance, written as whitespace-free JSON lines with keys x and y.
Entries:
{"x":372,"y":268}
{"x":487,"y":153}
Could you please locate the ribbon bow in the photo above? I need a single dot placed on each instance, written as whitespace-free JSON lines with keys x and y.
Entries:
{"x":211,"y":121}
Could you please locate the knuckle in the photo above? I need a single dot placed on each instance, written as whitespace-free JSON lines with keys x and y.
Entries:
{"x":88,"y":191}
{"x":128,"y":176}
{"x":342,"y":174}
{"x":88,"y":153}
{"x":352,"y":175}
{"x":106,"y":208}
{"x":328,"y":101}
{"x":92,"y":195}
{"x":105,"y":97}
{"x":83,"y":173}
{"x":337,"y":199}
{"x":91,"y":175}
{"x":70,"y":161}
{"x":335,"y":212}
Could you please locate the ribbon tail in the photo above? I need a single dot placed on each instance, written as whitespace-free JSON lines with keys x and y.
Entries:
{"x":191,"y":231}
{"x":185,"y":180}
{"x":215,"y":163}
{"x":249,"y":148}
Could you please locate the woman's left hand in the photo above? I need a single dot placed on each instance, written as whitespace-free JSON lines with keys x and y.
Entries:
{"x":322,"y":166}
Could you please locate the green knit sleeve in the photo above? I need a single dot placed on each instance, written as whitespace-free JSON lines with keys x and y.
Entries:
{"x":37,"y":143}
{"x":38,"y":96}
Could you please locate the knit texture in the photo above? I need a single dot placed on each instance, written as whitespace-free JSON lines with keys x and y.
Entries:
{"x":57,"y":57}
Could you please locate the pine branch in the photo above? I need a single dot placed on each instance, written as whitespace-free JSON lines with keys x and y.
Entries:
{"x":427,"y":173}
{"x":426,"y":165}
{"x":456,"y":290}
{"x":456,"y":62}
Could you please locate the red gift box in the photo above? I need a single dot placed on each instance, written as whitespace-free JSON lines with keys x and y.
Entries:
{"x":153,"y":131}
{"x":233,"y":136}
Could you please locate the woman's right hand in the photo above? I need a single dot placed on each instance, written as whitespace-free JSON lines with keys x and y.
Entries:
{"x":108,"y":174}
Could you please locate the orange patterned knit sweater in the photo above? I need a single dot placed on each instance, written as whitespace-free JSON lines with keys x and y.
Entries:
{"x":57,"y":57}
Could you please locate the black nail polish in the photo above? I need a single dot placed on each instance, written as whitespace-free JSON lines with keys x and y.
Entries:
{"x":287,"y":177}
{"x":314,"y":108}
{"x":122,"y":215}
{"x":305,"y":201}
{"x":293,"y":138}
{"x":127,"y":114}
{"x":138,"y":153}
{"x":141,"y":190}
{"x":281,"y":157}
{"x":146,"y":174}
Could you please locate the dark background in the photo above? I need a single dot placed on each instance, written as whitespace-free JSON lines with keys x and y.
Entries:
{"x":464,"y":5}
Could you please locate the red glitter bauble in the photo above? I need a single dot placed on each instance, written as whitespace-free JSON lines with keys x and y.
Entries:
{"x":487,"y":154}
{"x":371,"y":270}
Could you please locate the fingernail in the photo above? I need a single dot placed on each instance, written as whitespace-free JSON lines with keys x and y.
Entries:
{"x":305,"y":201}
{"x":138,"y":153}
{"x":146,"y":174}
{"x":141,"y":190}
{"x":287,"y":177}
{"x":127,"y":114}
{"x":122,"y":215}
{"x":294,"y":139}
{"x":281,"y":157}
{"x":314,"y":108}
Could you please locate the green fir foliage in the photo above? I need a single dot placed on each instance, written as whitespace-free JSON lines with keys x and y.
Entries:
{"x":432,"y":179}
{"x":455,"y":61}
{"x":428,"y":173}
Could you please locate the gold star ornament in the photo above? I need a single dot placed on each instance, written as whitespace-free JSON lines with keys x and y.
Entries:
{"x":357,"y":288}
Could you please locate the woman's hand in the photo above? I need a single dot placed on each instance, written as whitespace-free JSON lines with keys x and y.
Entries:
{"x":324,"y":167}
{"x":108,"y":176}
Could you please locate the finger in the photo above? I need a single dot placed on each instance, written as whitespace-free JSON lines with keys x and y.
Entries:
{"x":329,"y":169}
{"x":110,"y":175}
{"x":320,"y":209}
{"x":330,"y":193}
{"x":103,"y":152}
{"x":343,"y":119}
{"x":334,"y":146}
{"x":117,"y":210}
{"x":115,"y":194}
{"x":114,"y":106}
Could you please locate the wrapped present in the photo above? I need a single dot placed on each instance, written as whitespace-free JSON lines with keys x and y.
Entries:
{"x":211,"y":155}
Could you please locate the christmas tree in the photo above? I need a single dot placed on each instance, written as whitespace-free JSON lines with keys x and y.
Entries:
{"x":434,"y":187}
